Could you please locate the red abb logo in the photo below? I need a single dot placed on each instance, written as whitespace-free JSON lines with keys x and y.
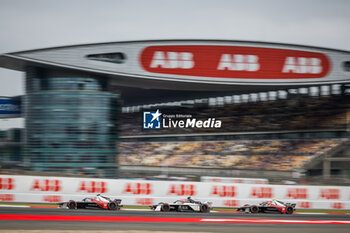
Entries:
{"x":223,"y":191}
{"x":52,"y":198}
{"x":46,"y":185}
{"x":305,"y":205}
{"x":144,"y":201}
{"x":329,"y":194}
{"x":138,"y":188}
{"x":261,"y":192}
{"x":297,"y":193}
{"x":7,"y":183}
{"x":93,"y":187}
{"x":7,"y":197}
{"x":231,"y":203}
{"x":338,"y":205}
{"x":183,"y":189}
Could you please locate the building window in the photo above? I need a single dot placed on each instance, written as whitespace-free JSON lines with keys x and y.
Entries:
{"x":108,"y":57}
{"x":346,"y":66}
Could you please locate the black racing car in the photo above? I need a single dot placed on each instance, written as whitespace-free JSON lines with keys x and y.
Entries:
{"x":269,"y":206}
{"x":99,"y":202}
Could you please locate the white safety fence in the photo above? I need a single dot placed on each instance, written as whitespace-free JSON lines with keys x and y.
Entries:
{"x":15,"y":188}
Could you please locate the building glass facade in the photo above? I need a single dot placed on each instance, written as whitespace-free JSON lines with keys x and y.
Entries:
{"x":71,"y":123}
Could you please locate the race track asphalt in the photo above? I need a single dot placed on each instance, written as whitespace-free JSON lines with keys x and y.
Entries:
{"x":168,"y":226}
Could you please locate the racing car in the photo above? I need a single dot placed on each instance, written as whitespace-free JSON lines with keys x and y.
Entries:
{"x":99,"y":202}
{"x":269,"y":206}
{"x":187,"y":205}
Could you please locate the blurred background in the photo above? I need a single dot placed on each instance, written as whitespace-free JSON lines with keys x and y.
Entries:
{"x":287,"y":136}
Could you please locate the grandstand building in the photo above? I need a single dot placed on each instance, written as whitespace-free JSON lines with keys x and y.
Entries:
{"x":81,"y":99}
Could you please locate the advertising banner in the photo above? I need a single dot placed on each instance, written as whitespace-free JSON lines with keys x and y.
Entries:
{"x":143,"y":192}
{"x":234,"y":62}
{"x":10,"y":108}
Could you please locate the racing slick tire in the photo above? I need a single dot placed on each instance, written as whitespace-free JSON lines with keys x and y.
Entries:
{"x":254,"y":209}
{"x":204,"y":208}
{"x":289,"y":209}
{"x":72,"y":205}
{"x":112,"y":206}
{"x":165,"y":208}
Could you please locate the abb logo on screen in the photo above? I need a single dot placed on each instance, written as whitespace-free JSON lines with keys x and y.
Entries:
{"x":46,"y":185}
{"x":172,"y":60}
{"x":93,"y":187}
{"x":329,"y":194}
{"x":304,"y":205}
{"x":138,"y":188}
{"x":7,"y":197}
{"x":231,"y":203}
{"x":261,"y":192}
{"x":7,"y":183}
{"x":223,"y":191}
{"x":234,"y":62}
{"x":297,"y":193}
{"x":52,"y":198}
{"x":144,"y":201}
{"x":182,"y":190}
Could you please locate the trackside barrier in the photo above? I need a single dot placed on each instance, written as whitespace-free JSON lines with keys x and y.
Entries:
{"x":16,"y":188}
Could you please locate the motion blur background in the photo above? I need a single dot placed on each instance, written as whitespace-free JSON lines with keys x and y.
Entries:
{"x":287,"y":136}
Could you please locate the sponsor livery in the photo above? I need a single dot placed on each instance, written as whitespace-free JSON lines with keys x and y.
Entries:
{"x":186,"y":205}
{"x":99,"y":202}
{"x":269,"y":206}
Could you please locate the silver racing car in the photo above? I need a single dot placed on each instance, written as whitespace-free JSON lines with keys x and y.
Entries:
{"x":187,"y":205}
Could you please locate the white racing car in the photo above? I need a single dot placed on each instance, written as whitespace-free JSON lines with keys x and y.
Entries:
{"x":187,"y":205}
